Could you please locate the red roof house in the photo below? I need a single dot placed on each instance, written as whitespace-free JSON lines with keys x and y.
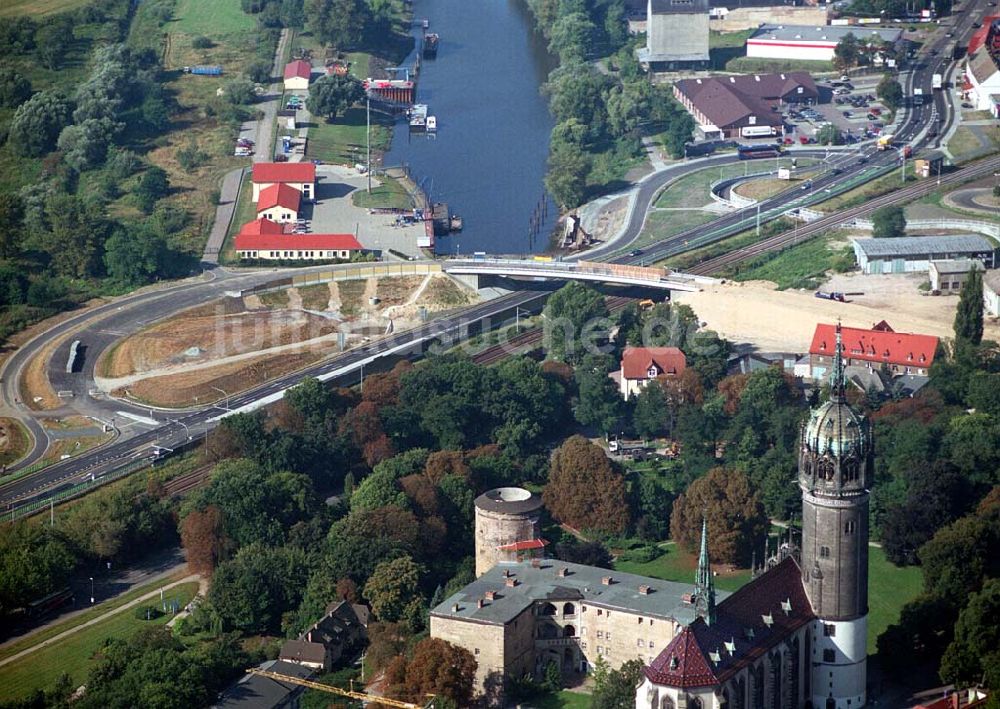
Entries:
{"x":300,"y":175}
{"x":263,"y":225}
{"x":641,"y":365}
{"x":296,"y":247}
{"x":279,"y":202}
{"x":297,"y":74}
{"x":903,"y":353}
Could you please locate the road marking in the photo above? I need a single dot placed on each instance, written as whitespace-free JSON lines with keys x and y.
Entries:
{"x":138,"y":419}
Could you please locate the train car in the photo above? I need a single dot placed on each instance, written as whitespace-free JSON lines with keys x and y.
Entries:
{"x":752,"y":152}
{"x":47,"y":604}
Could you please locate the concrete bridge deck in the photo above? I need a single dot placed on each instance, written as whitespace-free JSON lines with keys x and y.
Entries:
{"x":649,"y":277}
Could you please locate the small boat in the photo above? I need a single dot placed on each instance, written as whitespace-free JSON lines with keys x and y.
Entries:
{"x":432,"y":124}
{"x":426,"y":23}
{"x":455,"y":222}
{"x":418,"y":117}
{"x":431,"y":41}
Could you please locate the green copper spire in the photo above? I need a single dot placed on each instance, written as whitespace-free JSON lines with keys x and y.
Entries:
{"x":838,"y":380}
{"x":704,"y":594}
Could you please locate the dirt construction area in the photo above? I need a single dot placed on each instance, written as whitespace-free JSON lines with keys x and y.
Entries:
{"x":235,"y":343}
{"x":755,"y":313}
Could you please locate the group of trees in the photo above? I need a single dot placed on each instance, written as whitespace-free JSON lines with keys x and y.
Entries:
{"x":853,"y":52}
{"x":890,"y":92}
{"x":889,"y":222}
{"x":345,"y":24}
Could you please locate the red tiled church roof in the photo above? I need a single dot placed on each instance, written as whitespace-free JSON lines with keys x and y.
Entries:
{"x":880,"y":344}
{"x":739,"y":635}
{"x":636,"y":361}
{"x":279,"y":195}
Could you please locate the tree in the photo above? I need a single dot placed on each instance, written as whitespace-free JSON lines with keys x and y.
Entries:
{"x":252,"y":591}
{"x":592,"y":553}
{"x":85,"y":145}
{"x":584,"y":490}
{"x":11,"y":219}
{"x":847,"y":53}
{"x":34,"y":561}
{"x":569,"y":37}
{"x":615,"y":689}
{"x":566,"y":177}
{"x":969,"y":314}
{"x":203,"y":537}
{"x":890,"y":92}
{"x":437,"y":667}
{"x":75,"y":236}
{"x":651,"y":417}
{"x":974,"y":654}
{"x":889,"y":222}
{"x":14,"y":88}
{"x":830,"y":135}
{"x":393,"y":590}
{"x":37,"y":123}
{"x":333,"y":95}
{"x":958,"y":559}
{"x":598,"y":404}
{"x":152,"y":186}
{"x":573,"y":313}
{"x":259,"y":71}
{"x":201,"y":42}
{"x":240,"y":92}
{"x":736,"y":519}
{"x":53,"y":41}
{"x":340,"y":23}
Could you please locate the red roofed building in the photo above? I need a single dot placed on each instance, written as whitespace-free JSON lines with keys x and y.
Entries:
{"x":902,"y":353}
{"x":279,"y":203}
{"x":300,"y":175}
{"x":641,"y":365}
{"x":297,"y":75}
{"x":262,"y":225}
{"x":297,"y":247}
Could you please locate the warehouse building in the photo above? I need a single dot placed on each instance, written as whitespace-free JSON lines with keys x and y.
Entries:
{"x":913,"y":254}
{"x":743,"y":106}
{"x":813,"y":43}
{"x":950,"y":275}
{"x":676,"y":35}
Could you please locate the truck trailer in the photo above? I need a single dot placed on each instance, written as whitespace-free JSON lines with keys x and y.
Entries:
{"x":937,"y":81}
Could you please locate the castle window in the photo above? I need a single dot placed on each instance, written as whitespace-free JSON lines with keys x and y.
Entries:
{"x":829,"y":656}
{"x":640,"y":621}
{"x":547,"y":609}
{"x":477,"y":651}
{"x":607,"y":635}
{"x":829,"y":630}
{"x":600,"y":612}
{"x":639,"y":643}
{"x":824,"y":552}
{"x":600,"y":633}
{"x":569,"y":609}
{"x":850,"y":527}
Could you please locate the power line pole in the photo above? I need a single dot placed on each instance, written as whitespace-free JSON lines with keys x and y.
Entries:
{"x":368,"y":135}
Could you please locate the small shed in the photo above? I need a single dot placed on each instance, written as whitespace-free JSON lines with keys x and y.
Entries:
{"x":949,"y":276}
{"x":297,"y":75}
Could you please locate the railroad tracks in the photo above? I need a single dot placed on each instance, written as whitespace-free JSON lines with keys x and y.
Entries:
{"x":808,"y":231}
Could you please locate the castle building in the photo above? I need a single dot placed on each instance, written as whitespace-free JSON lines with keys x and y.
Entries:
{"x":507,"y":527}
{"x":796,"y":634}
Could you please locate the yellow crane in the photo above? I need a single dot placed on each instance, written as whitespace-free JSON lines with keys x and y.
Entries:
{"x":361,"y":696}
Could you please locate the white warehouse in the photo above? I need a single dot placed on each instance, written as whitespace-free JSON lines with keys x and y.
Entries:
{"x":910,"y":254}
{"x":808,"y":42}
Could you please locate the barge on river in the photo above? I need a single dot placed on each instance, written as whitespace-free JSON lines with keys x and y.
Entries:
{"x":418,"y":118}
{"x":431,"y":41}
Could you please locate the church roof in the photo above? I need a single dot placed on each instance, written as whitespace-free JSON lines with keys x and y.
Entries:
{"x":748,"y":624}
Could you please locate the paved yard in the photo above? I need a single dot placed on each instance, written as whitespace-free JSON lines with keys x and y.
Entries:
{"x":335,"y":213}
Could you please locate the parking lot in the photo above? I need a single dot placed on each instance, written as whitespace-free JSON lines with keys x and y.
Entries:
{"x":851,"y":106}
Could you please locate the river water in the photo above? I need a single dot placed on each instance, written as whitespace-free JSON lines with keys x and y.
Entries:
{"x":488,"y":159}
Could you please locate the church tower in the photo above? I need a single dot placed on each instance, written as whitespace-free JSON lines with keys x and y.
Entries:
{"x":835,"y":474}
{"x":704,"y":584}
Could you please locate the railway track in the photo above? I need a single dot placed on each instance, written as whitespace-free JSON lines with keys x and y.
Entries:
{"x":807,"y":231}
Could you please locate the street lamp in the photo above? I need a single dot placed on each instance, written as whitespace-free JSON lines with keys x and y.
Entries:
{"x":187,"y":431}
{"x":517,"y":318}
{"x":224,"y":394}
{"x":91,"y":590}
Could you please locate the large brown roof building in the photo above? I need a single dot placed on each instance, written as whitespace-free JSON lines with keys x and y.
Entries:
{"x":743,"y":106}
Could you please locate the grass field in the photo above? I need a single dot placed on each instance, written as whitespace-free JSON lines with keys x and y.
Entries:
{"x":759,"y":65}
{"x":211,"y":19}
{"x":16,"y":441}
{"x":75,"y":654}
{"x":889,"y":589}
{"x":660,"y":225}
{"x":865,"y":192}
{"x":678,"y":565}
{"x":37,"y":8}
{"x":800,"y":266}
{"x":560,"y":700}
{"x":344,"y":140}
{"x":390,"y":194}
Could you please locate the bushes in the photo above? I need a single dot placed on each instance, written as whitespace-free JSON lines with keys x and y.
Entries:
{"x":147,"y":613}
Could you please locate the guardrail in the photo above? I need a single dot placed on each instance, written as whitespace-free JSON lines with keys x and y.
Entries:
{"x":346,"y":272}
{"x":987,"y":228}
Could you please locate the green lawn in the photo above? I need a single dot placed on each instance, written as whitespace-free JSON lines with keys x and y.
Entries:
{"x":693,"y":190}
{"x":863,"y":193}
{"x":211,"y":19}
{"x":246,"y":211}
{"x":344,"y":140}
{"x":390,"y":194}
{"x":801,"y":266}
{"x":760,"y":65}
{"x":889,"y":589}
{"x":75,"y":654}
{"x":660,"y":225}
{"x":37,"y":8}
{"x":561,"y":700}
{"x":679,"y":566}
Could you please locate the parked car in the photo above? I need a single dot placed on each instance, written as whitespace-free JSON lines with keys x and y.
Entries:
{"x":804,"y":139}
{"x":877,"y":111}
{"x":966,"y":104}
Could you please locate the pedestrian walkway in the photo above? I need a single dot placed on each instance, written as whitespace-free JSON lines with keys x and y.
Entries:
{"x":93,"y":621}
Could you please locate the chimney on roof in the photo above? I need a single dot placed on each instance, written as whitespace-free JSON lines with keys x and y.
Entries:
{"x":644,"y":590}
{"x":511,"y":582}
{"x":607,"y":580}
{"x":491,"y":595}
{"x":561,"y":572}
{"x":479,"y":603}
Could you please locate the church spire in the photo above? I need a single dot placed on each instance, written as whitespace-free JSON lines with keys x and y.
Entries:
{"x":704,"y":593}
{"x":837,"y":382}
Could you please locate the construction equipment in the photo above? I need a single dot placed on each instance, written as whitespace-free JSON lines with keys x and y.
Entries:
{"x":350,"y":694}
{"x":831,"y":296}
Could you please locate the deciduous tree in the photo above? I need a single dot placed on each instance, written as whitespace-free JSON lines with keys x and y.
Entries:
{"x":437,"y":667}
{"x":332,"y":95}
{"x":393,"y":590}
{"x":15,"y":89}
{"x":969,"y":314}
{"x":584,"y":489}
{"x":37,"y":123}
{"x":889,"y":222}
{"x":203,"y":536}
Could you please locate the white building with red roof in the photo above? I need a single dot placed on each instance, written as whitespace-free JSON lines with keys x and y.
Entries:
{"x":641,"y":365}
{"x":279,"y":203}
{"x":300,"y":175}
{"x":296,"y":247}
{"x":297,"y":74}
{"x":901,"y":352}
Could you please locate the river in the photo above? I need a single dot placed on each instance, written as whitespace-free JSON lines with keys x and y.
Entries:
{"x":488,"y":159}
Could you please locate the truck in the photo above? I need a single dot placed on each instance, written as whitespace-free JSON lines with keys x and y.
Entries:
{"x":835,"y":295}
{"x":885,"y":142}
{"x":937,"y":81}
{"x":918,"y":97}
{"x":204,"y":70}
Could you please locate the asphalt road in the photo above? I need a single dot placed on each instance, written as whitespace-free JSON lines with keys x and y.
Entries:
{"x":100,"y":327}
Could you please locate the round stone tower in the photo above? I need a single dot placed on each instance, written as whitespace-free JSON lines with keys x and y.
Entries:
{"x":507,"y":526}
{"x":835,"y":474}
